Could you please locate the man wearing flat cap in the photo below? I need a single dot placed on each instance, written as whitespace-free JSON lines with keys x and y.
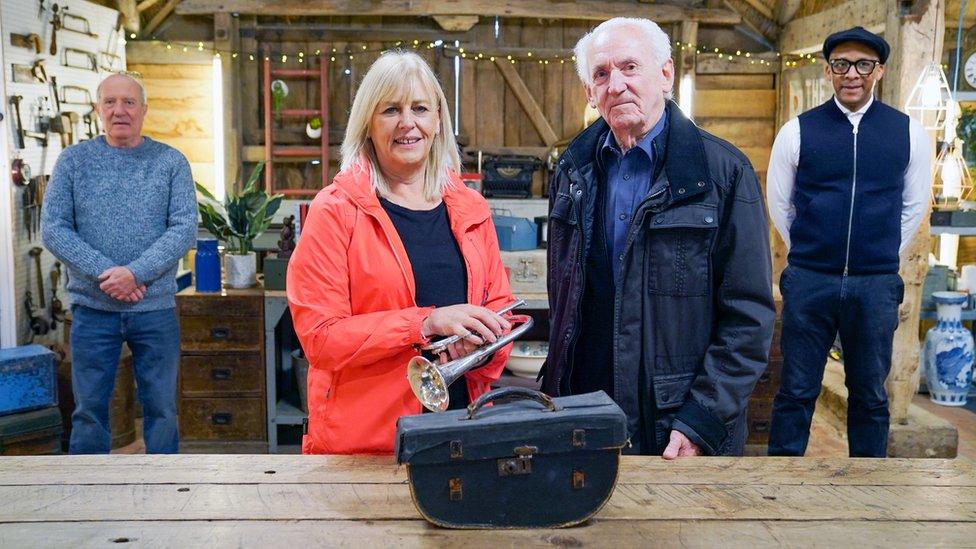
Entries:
{"x":847,"y":188}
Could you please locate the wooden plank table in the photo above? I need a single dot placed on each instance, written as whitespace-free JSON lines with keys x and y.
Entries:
{"x":357,"y":501}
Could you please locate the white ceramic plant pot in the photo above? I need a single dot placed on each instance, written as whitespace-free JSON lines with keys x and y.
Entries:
{"x":313,"y":133}
{"x":241,"y":270}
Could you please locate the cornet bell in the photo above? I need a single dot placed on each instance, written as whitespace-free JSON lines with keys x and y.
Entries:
{"x":430,"y":381}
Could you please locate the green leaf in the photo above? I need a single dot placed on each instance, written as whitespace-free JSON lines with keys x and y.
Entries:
{"x":252,"y":179}
{"x":204,"y":191}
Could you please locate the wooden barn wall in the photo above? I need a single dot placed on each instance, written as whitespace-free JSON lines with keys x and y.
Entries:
{"x":491,"y":118}
{"x":179,"y":91}
{"x":739,"y":107}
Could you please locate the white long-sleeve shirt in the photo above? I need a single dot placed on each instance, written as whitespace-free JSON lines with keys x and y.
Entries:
{"x":785,"y":156}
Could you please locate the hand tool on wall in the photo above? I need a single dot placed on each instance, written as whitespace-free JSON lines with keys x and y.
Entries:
{"x":57,"y":308}
{"x":35,"y":252}
{"x":15,"y":100}
{"x":60,"y":123}
{"x":38,"y":325}
{"x":90,"y":125}
{"x":94,"y":118}
{"x":80,"y":59}
{"x":43,"y":114}
{"x":30,"y":41}
{"x":110,"y":59}
{"x":40,"y":186}
{"x":55,"y":27}
{"x":20,"y":172}
{"x":75,"y":95}
{"x":73,"y":119}
{"x":76,"y":23}
{"x":21,"y":132}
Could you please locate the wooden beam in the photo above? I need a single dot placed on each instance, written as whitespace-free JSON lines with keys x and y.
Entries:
{"x":806,"y":34}
{"x":915,"y":40}
{"x":760,"y":7}
{"x":529,"y":104}
{"x":456,"y":23}
{"x":593,"y":10}
{"x":757,"y":20}
{"x":709,"y":63}
{"x":160,"y":16}
{"x":227,"y":38}
{"x":154,"y":52}
{"x":306,"y":32}
{"x":684,"y":59}
{"x":527,"y":54}
{"x":785,"y":10}
{"x":145,"y":5}
{"x":130,"y":14}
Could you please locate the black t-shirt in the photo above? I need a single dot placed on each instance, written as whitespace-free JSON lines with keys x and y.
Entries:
{"x":438,"y":267}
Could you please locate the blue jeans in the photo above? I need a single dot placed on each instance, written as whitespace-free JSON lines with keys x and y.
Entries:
{"x":96,"y":345}
{"x":816,"y":306}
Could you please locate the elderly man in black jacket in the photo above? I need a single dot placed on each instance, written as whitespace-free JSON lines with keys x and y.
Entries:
{"x":660,"y":287}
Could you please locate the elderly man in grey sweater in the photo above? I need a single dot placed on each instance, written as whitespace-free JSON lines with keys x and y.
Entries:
{"x":120,"y":211}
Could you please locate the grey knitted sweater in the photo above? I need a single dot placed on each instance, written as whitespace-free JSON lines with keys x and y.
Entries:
{"x":106,"y":206}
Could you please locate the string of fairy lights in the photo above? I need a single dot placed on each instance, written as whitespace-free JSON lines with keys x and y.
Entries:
{"x":348,"y":53}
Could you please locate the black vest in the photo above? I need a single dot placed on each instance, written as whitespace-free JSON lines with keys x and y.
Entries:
{"x":833,"y":231}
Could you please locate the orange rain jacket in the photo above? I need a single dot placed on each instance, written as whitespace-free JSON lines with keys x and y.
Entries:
{"x":351,"y":293}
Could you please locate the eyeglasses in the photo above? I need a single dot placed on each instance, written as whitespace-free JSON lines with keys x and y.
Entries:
{"x":863,"y":67}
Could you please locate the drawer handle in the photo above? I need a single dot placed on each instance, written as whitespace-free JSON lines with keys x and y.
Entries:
{"x":760,"y":426}
{"x":220,"y":374}
{"x":220,"y":332}
{"x":764,"y":378}
{"x":221,"y":418}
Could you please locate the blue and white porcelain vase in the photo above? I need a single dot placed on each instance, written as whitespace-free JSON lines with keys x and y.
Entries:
{"x":947,"y":355}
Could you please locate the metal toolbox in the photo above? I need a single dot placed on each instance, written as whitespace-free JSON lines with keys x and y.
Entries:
{"x":515,"y":233}
{"x":28,"y":379}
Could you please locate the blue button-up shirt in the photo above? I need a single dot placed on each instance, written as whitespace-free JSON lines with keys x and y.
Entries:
{"x":628,"y":182}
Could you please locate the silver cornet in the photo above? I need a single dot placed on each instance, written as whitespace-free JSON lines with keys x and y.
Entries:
{"x":430,"y":381}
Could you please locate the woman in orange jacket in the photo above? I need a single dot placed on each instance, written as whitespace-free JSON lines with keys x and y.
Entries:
{"x":396,"y":251}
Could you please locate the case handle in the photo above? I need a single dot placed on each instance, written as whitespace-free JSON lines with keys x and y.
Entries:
{"x":517,"y":393}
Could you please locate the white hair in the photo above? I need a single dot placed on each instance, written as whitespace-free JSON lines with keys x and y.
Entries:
{"x":142,"y":90}
{"x":647,"y":30}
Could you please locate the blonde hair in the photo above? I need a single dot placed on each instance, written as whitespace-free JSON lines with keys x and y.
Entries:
{"x":394,"y":75}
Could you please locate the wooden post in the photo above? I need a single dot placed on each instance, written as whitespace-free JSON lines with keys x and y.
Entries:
{"x":130,"y":14}
{"x":684,"y":60}
{"x":916,"y":39}
{"x":227,"y":42}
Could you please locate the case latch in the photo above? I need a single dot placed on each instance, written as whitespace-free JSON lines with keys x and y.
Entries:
{"x":521,"y":464}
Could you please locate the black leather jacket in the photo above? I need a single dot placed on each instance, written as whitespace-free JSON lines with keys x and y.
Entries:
{"x":699,"y":317}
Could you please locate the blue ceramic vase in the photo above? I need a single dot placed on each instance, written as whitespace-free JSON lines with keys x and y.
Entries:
{"x":947,"y":354}
{"x":207,"y":265}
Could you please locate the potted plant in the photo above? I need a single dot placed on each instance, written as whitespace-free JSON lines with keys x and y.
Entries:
{"x":313,"y":129}
{"x":237,"y":222}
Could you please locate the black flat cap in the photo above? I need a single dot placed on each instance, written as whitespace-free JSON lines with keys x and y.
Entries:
{"x":861,"y":36}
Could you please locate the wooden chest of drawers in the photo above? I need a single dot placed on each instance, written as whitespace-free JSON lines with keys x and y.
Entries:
{"x":222,"y":386}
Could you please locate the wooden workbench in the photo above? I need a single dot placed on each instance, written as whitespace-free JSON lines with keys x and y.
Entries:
{"x":309,"y":501}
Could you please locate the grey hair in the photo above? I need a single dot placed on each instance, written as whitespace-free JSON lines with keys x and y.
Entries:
{"x":648,"y":30}
{"x":393,"y":75}
{"x":142,"y":89}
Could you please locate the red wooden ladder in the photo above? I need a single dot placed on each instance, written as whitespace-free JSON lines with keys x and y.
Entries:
{"x":273,"y":152}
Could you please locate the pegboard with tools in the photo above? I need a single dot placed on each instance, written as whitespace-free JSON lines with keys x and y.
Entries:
{"x":54,"y":55}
